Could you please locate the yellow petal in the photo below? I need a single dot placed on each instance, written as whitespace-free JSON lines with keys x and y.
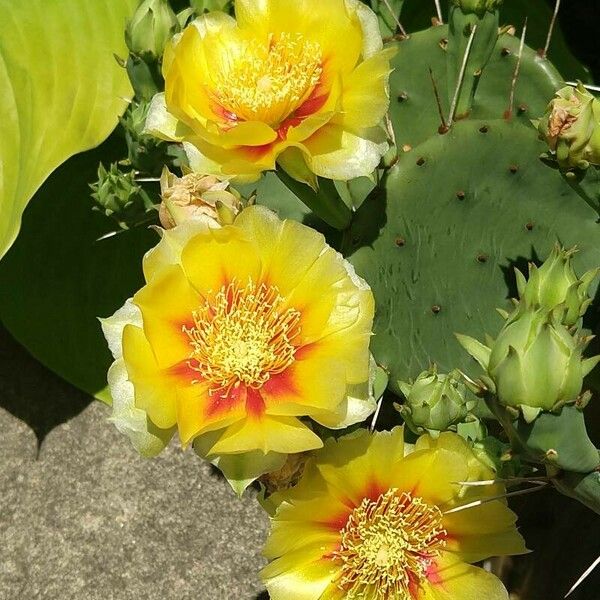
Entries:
{"x":185,"y":96}
{"x":154,"y":389}
{"x":369,"y":23}
{"x":312,"y":123}
{"x":305,"y":523}
{"x":148,"y":439}
{"x":431,"y":476}
{"x":167,"y":304}
{"x":253,"y":15}
{"x":365,"y":96}
{"x":339,"y":154}
{"x":218,"y":257}
{"x":337,"y":313}
{"x":198,"y":412}
{"x":315,"y":380}
{"x":168,"y":250}
{"x":162,"y":124}
{"x":299,"y":575}
{"x":361,"y":465}
{"x":240,"y":164}
{"x":456,"y":580}
{"x":483,"y":531}
{"x":292,"y":161}
{"x":213,"y":23}
{"x":245,"y":133}
{"x":355,"y":408}
{"x":337,"y":30}
{"x":475,"y":469}
{"x":288,"y":249}
{"x":240,"y":470}
{"x":269,"y":434}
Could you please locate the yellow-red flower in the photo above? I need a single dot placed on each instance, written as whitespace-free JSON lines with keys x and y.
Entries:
{"x":239,"y":332}
{"x":370,"y":519}
{"x":303,"y":84}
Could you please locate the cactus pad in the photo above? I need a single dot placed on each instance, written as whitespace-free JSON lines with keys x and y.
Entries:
{"x":458,"y":213}
{"x":413,"y":106}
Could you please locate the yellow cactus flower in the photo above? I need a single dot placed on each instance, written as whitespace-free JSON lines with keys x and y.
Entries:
{"x":239,"y":332}
{"x":371,"y":519}
{"x":301,"y":84}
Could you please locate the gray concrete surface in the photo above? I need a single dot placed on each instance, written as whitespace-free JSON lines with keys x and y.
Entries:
{"x":88,"y":518}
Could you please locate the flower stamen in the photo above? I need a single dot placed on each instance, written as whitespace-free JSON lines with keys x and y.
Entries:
{"x":267,"y":82}
{"x":242,"y":334}
{"x":388,"y":545}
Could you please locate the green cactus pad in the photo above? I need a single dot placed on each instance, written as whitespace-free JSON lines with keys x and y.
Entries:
{"x":560,"y":440}
{"x":458,"y":213}
{"x":413,"y":106}
{"x":585,"y":488}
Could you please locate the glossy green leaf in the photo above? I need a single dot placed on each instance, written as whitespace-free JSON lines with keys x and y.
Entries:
{"x":62,"y":90}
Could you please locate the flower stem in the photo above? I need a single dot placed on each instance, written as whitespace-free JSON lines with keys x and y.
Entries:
{"x":325,"y":202}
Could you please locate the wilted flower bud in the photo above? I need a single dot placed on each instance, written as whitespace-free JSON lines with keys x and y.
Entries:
{"x":153,"y":24}
{"x":477,"y":6}
{"x":556,"y":284}
{"x":435,"y":402}
{"x":535,"y":363}
{"x":571,"y":127}
{"x":193,"y":196}
{"x":120,"y":196}
{"x":286,"y":477}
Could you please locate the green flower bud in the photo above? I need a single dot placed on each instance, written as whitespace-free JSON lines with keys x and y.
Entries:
{"x":145,"y":77}
{"x":477,"y":6}
{"x":145,"y":153}
{"x":153,"y":24}
{"x":435,"y":402}
{"x":571,"y":127}
{"x":555,"y":284}
{"x":535,"y":363}
{"x":119,"y":196}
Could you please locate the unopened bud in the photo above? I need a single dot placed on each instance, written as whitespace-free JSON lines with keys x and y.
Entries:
{"x":555,"y":284}
{"x":118,"y":195}
{"x":536,"y":363}
{"x":435,"y":402}
{"x":153,"y":24}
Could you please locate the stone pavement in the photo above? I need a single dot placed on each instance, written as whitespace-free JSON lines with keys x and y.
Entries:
{"x":88,"y":518}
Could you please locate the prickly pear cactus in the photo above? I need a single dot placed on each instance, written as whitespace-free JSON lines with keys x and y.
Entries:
{"x":413,"y":107}
{"x":459,"y":212}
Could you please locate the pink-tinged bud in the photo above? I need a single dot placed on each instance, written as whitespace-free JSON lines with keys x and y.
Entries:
{"x":196,"y":196}
{"x":571,"y":127}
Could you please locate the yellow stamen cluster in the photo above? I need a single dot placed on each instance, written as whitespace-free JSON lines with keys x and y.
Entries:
{"x":243,"y":335}
{"x":387,"y":545}
{"x":267,"y":82}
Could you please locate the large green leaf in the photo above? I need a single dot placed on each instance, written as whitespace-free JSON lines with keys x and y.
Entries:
{"x":61,"y":91}
{"x":58,"y":278}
